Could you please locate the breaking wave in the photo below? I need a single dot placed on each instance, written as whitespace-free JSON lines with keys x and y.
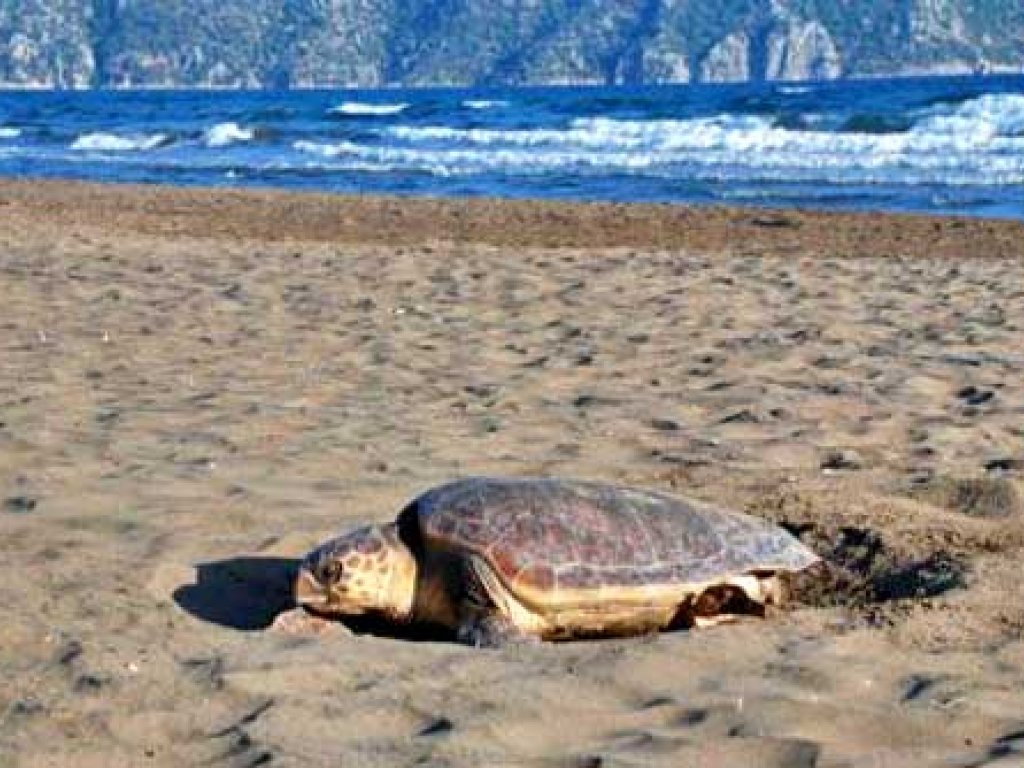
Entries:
{"x":358,"y":108}
{"x":484,"y":103}
{"x":708,"y":150}
{"x":980,"y":142}
{"x":111,"y":142}
{"x":983,"y":119}
{"x":9,"y":132}
{"x":223,"y":134}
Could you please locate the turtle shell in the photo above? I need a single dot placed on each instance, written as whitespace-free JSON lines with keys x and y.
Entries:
{"x":568,"y":541}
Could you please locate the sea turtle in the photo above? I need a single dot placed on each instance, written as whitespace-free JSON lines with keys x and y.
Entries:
{"x":519,"y":559}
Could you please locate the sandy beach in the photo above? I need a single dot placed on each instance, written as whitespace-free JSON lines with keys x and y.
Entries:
{"x":198,"y":386}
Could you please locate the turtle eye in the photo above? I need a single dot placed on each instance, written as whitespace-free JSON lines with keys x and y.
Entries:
{"x":331,"y":571}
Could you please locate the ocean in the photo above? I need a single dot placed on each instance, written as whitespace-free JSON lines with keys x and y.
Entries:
{"x":933,"y":145}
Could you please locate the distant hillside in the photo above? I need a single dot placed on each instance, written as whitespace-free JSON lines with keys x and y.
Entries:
{"x":301,"y":43}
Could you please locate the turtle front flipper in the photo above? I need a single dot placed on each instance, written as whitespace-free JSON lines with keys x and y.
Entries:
{"x":299,"y":621}
{"x":492,"y":630}
{"x":490,"y":615}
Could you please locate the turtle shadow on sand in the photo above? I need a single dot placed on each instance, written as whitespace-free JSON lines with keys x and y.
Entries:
{"x":248,"y":593}
{"x":244,"y":593}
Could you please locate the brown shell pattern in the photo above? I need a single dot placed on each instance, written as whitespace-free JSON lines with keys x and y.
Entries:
{"x":549,"y":534}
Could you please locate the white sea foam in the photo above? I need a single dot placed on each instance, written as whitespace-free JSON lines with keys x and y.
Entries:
{"x":949,"y":148}
{"x":484,"y":103}
{"x":982,"y":119}
{"x":525,"y":137}
{"x":110,"y":142}
{"x":357,"y":108}
{"x":325,"y":149}
{"x":9,"y":132}
{"x":223,"y":134}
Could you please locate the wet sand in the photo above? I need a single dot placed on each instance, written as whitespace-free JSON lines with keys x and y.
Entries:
{"x":197,"y":386}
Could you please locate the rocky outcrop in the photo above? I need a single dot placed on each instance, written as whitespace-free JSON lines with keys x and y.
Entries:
{"x":728,"y":61}
{"x":935,"y":20}
{"x":341,"y":46}
{"x":46,"y":44}
{"x":665,"y":66}
{"x":802,"y":51}
{"x":372,"y":43}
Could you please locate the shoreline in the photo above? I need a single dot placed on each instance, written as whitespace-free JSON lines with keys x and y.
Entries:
{"x":277,"y":215}
{"x":954,"y":70}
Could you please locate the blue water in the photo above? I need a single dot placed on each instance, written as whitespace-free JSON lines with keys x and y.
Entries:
{"x":940,"y":145}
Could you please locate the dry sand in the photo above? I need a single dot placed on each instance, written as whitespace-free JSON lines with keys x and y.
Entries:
{"x":197,"y":386}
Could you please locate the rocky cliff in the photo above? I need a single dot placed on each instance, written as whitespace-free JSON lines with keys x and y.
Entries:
{"x":292,"y":43}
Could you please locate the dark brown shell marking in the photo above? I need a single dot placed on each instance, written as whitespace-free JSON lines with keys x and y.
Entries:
{"x":549,"y":534}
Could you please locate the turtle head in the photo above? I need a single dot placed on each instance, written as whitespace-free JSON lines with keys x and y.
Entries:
{"x":368,"y":570}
